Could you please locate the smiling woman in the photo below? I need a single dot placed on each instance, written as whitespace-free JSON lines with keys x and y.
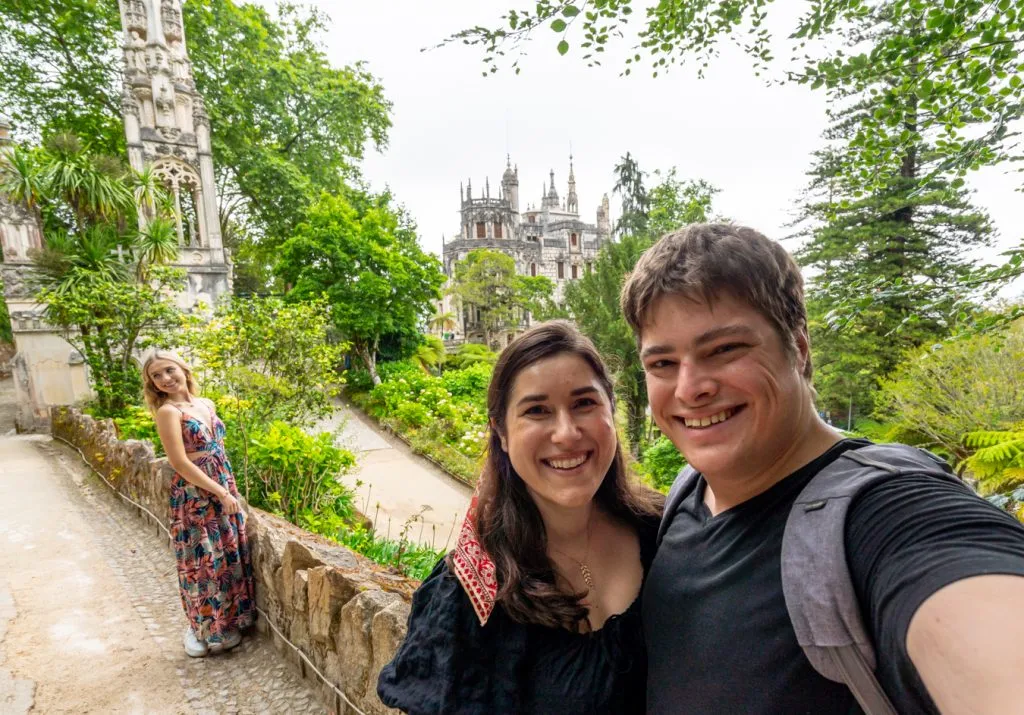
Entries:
{"x":207,"y":523}
{"x":536,"y":609}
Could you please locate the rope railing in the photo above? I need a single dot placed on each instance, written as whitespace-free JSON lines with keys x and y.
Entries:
{"x":339,"y":695}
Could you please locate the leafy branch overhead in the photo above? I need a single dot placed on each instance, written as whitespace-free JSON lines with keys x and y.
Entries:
{"x":961,"y":59}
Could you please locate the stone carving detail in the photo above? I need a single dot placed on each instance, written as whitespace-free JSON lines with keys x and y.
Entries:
{"x":135,"y":17}
{"x":15,"y":282}
{"x":170,"y":16}
{"x":14,"y":214}
{"x":176,"y":175}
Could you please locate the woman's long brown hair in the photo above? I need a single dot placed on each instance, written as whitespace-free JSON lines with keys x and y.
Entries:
{"x":509,"y":524}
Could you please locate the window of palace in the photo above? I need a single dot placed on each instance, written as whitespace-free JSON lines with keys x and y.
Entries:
{"x":575,"y":272}
{"x":533,"y":269}
{"x":561,"y":270}
{"x":497,"y":229}
{"x":481,"y":230}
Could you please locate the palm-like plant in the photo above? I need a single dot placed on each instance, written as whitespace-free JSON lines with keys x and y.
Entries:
{"x":69,"y":261}
{"x":155,"y":244}
{"x":443,"y":321}
{"x":430,"y":354}
{"x":93,"y":187}
{"x":22,"y":179}
{"x":148,"y":193}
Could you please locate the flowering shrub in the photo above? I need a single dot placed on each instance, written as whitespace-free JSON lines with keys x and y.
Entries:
{"x":470,"y":383}
{"x":444,"y":418}
{"x":412,"y":414}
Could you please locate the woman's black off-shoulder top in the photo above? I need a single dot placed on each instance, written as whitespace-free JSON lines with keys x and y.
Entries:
{"x":449,"y":663}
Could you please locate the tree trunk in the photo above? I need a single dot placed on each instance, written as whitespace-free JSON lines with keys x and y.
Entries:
{"x":369,"y":357}
{"x":636,"y":411}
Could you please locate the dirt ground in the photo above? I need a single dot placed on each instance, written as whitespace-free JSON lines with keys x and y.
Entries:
{"x":73,"y":635}
{"x":90,"y":615}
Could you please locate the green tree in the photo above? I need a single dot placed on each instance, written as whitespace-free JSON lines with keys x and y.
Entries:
{"x":272,"y":362}
{"x":948,"y":74}
{"x":915,"y":231}
{"x":662,"y":463}
{"x":939,"y":394}
{"x":109,"y":323}
{"x":60,"y":70}
{"x":675,"y":202}
{"x":286,"y":124}
{"x":593,"y":301}
{"x":629,"y":185}
{"x":363,"y":255}
{"x":847,"y":363}
{"x":103,"y":282}
{"x":85,"y":204}
{"x":486,"y":281}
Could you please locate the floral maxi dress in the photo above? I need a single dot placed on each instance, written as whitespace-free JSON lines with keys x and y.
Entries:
{"x":214,"y":565}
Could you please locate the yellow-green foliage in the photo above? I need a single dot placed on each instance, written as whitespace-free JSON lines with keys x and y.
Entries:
{"x":964,"y":386}
{"x":998,"y":465}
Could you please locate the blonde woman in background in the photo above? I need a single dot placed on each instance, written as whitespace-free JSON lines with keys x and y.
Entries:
{"x":207,"y":521}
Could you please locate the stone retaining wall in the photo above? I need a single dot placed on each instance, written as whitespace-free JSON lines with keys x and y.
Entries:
{"x":347,"y":614}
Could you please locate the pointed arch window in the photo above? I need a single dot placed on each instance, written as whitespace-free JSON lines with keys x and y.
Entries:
{"x":182,"y":182}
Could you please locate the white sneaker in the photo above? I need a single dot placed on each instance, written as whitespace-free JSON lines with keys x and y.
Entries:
{"x":194,"y":648}
{"x":231,"y":639}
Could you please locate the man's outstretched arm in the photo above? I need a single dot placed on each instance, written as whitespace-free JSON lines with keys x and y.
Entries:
{"x":967,"y":643}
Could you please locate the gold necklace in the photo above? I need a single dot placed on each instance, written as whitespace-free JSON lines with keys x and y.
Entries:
{"x":588,"y":578}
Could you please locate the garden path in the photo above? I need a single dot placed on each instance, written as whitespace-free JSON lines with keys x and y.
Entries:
{"x":90,"y":617}
{"x":394,"y":486}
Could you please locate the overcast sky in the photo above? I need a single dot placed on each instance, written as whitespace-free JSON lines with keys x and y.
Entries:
{"x":750,"y":140}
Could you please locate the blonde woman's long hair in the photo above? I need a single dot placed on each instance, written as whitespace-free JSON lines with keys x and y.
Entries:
{"x":155,"y":397}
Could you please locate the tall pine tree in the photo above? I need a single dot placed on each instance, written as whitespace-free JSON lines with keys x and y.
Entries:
{"x":914,"y":229}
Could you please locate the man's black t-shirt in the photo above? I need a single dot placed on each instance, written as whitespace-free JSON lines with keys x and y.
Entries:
{"x":718,"y":634}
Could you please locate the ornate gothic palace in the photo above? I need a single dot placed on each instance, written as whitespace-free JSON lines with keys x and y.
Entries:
{"x":546,"y":240}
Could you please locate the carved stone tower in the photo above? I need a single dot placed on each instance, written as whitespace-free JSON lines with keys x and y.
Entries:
{"x":168,"y":131}
{"x":572,"y":203}
{"x":604,"y":218}
{"x":510,"y":185}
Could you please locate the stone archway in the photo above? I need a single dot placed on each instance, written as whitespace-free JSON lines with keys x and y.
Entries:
{"x":183,"y":183}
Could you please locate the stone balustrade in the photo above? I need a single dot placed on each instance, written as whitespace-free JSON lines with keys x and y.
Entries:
{"x":347,"y":614}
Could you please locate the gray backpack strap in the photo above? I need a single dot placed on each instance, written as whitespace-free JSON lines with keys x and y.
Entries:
{"x":816,"y":579}
{"x":680,"y":488}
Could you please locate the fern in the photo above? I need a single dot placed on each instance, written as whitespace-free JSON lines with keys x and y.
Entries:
{"x":998,"y":465}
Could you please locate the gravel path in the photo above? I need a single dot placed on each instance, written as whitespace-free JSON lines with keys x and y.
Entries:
{"x":90,"y":618}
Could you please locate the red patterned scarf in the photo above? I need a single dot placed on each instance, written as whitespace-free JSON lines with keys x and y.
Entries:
{"x":473,"y":567}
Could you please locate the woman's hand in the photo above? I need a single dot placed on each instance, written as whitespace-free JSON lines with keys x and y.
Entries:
{"x":229,"y":503}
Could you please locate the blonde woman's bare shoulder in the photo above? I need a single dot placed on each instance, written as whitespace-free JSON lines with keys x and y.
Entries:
{"x":167,"y":409}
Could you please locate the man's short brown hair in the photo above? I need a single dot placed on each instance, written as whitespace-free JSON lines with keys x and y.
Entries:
{"x":703,"y":261}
